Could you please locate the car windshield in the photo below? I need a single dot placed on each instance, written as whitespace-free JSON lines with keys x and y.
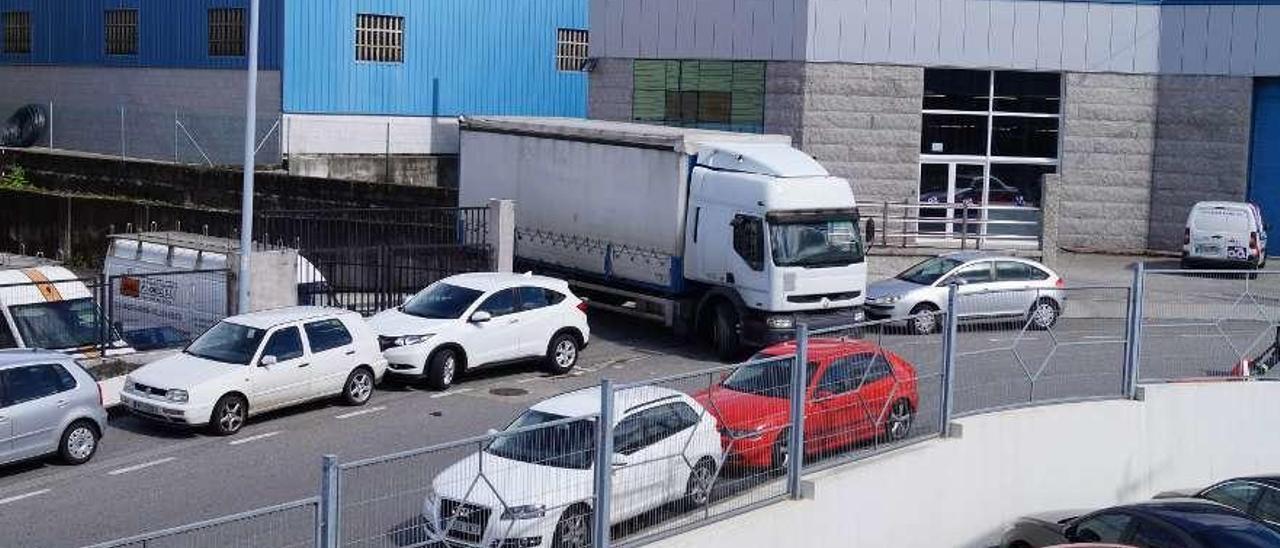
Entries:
{"x":228,"y":343}
{"x":563,"y":445}
{"x":441,"y":301}
{"x":771,"y":379}
{"x":929,"y":271}
{"x":1222,"y":219}
{"x":831,"y":242}
{"x":60,"y":325}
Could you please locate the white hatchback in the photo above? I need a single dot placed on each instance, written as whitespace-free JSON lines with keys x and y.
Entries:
{"x":257,"y":362}
{"x":531,"y":486}
{"x":471,"y":320}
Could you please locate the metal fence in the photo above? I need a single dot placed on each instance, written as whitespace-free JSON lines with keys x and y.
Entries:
{"x":61,"y":313}
{"x":963,"y":225}
{"x":166,"y":309}
{"x":290,"y":525}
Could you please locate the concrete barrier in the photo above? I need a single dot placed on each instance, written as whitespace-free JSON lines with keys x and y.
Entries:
{"x":963,"y":491}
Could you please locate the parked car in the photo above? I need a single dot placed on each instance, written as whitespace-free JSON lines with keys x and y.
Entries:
{"x":992,"y":287}
{"x":1168,"y":523}
{"x":537,"y":480}
{"x":48,"y":405}
{"x":472,"y":320}
{"x":857,"y":391}
{"x":257,"y":362}
{"x":968,"y":190}
{"x":1258,"y":496}
{"x":1224,"y":234}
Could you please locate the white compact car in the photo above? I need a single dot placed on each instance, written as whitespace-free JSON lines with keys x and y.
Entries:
{"x":472,"y":320}
{"x":1224,"y":233}
{"x":257,"y":362}
{"x":532,"y":487}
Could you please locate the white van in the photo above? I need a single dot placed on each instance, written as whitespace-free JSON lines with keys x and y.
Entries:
{"x":48,"y":307}
{"x":1224,"y":234}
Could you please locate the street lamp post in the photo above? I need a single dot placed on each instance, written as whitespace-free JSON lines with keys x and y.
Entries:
{"x":250,"y":135}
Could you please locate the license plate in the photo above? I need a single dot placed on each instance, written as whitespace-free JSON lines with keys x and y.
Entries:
{"x":146,"y":407}
{"x":466,"y":528}
{"x":1237,"y":252}
{"x":1207,"y":249}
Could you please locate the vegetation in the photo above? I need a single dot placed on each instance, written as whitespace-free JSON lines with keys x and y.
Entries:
{"x":14,"y":178}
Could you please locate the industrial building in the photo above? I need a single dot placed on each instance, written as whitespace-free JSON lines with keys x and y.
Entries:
{"x":1134,"y":110}
{"x":165,"y":79}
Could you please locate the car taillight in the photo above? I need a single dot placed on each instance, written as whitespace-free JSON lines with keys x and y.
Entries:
{"x":101,"y":403}
{"x":582,"y":306}
{"x":1061,"y":283}
{"x":1253,"y":242}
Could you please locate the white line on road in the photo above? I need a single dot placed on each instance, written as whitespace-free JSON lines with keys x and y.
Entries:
{"x":137,"y":467}
{"x":360,"y":412}
{"x":453,"y":392}
{"x":17,"y":498}
{"x":261,"y":436}
{"x":1104,"y":337}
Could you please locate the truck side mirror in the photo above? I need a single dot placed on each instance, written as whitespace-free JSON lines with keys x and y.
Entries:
{"x":870,"y":235}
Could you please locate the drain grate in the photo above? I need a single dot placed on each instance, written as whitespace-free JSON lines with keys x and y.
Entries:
{"x":505,"y":391}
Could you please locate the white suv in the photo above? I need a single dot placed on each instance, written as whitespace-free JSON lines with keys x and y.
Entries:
{"x":471,"y":320}
{"x":532,"y":486}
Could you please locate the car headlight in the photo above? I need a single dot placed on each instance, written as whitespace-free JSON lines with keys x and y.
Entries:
{"x":743,"y":434}
{"x":527,"y":511}
{"x":177,"y":396}
{"x":413,"y":339}
{"x":780,"y":322}
{"x":886,"y":299}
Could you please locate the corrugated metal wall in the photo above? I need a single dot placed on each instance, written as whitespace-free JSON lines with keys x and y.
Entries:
{"x":461,"y":57}
{"x":171,"y":33}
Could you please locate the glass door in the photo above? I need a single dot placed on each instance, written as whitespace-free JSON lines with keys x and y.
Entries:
{"x":943,"y":183}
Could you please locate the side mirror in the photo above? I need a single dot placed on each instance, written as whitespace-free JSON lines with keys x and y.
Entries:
{"x":491,"y":431}
{"x":870,"y":233}
{"x":481,"y":316}
{"x":958,"y":281}
{"x":268,"y":360}
{"x":619,"y":460}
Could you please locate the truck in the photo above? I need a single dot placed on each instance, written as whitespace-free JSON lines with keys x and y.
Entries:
{"x":45,"y":305}
{"x":731,"y":237}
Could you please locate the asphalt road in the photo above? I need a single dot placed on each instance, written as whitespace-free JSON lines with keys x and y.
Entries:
{"x":147,"y":477}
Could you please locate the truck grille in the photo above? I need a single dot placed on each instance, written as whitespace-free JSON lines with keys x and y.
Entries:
{"x":464,"y":522}
{"x":809,"y":299}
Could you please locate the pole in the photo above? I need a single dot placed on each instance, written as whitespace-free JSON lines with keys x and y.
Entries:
{"x":604,"y":468}
{"x":799,"y":381}
{"x":1134,"y":354}
{"x":949,"y":359}
{"x":122,"y":148}
{"x":50,"y":124}
{"x":246,"y":198}
{"x":329,"y":506}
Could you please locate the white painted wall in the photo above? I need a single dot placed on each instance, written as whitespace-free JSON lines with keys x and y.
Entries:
{"x":1241,"y":40}
{"x":349,"y":134}
{"x":961,"y":492}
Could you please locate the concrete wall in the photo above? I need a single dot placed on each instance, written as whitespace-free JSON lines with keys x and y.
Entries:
{"x":397,"y":169}
{"x":347,"y":134}
{"x":961,"y":492}
{"x":1203,"y":129}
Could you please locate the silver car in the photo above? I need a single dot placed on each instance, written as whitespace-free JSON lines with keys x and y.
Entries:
{"x":48,"y":405}
{"x":992,"y":288}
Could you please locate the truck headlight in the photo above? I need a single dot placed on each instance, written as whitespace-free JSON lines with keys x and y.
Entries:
{"x":527,"y":511}
{"x":177,"y":396}
{"x":413,"y":339}
{"x":780,"y":322}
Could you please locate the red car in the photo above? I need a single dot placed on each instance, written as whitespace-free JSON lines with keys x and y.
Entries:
{"x":857,"y":391}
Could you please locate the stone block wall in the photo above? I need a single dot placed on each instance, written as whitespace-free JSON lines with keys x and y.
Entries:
{"x":610,"y":87}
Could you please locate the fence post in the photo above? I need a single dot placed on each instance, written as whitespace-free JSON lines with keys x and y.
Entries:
{"x":329,"y":504}
{"x":884,"y":224}
{"x":51,"y":125}
{"x":1134,"y":335}
{"x":799,"y":381}
{"x":604,"y":468}
{"x":123,"y":151}
{"x":949,"y":359}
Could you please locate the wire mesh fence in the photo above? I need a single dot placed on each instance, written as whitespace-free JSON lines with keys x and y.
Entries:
{"x":290,"y":525}
{"x":53,"y":309}
{"x":166,"y":309}
{"x":1210,"y":323}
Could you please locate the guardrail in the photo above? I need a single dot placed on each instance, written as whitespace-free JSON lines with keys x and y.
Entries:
{"x":969,"y":226}
{"x":628,"y":464}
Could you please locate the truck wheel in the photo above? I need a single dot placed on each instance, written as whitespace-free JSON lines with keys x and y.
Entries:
{"x":724,"y":333}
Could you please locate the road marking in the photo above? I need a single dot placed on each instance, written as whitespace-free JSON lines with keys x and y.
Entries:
{"x":137,"y":467}
{"x":17,"y":498}
{"x":1104,"y":337}
{"x":360,"y":412}
{"x":453,"y":392}
{"x":261,"y":436}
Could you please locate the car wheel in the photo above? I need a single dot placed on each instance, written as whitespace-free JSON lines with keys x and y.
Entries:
{"x":229,"y":415}
{"x":781,"y":450}
{"x":897,"y":426}
{"x":1043,"y":314}
{"x":562,"y":353}
{"x":697,"y":492}
{"x":724,"y":333}
{"x":442,"y":367}
{"x":79,"y":443}
{"x":924,"y":319}
{"x":359,"y":387}
{"x":574,"y":528}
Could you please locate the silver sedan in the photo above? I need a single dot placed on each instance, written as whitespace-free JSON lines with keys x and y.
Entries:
{"x":991,"y":288}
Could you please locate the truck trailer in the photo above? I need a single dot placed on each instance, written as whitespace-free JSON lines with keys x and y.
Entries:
{"x":730,"y":236}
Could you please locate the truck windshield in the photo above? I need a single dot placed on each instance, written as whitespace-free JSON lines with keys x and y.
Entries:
{"x":227,"y":342}
{"x":563,"y":445}
{"x":928,"y":271}
{"x":441,"y":301}
{"x":814,"y":243}
{"x":60,"y":325}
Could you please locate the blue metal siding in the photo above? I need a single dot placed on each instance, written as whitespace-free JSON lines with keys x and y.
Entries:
{"x":171,"y":33}
{"x":1264,"y":172}
{"x":461,"y":57}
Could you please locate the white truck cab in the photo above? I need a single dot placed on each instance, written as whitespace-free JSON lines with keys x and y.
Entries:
{"x":47,"y":306}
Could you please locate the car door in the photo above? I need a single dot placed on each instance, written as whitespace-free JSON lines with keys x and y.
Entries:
{"x":37,"y":401}
{"x":333,"y":355}
{"x":974,"y":299}
{"x":1147,"y":533}
{"x":1015,"y":287}
{"x":286,"y":381}
{"x":640,"y":483}
{"x":837,"y":412}
{"x":498,"y":339}
{"x":538,"y":319}
{"x":6,"y":425}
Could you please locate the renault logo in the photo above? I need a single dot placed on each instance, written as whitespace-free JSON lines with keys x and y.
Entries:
{"x":826,"y":303}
